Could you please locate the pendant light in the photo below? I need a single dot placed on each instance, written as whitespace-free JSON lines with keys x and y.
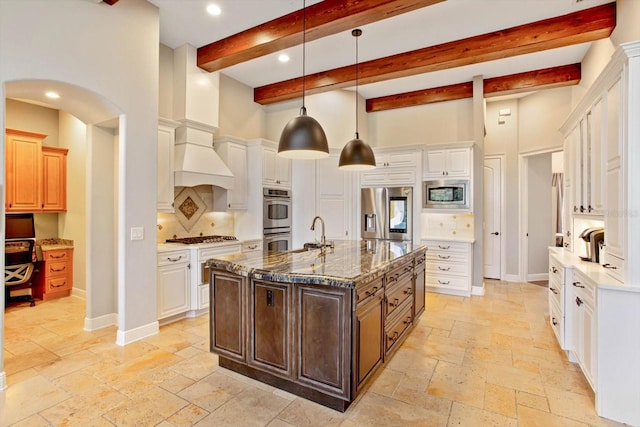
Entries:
{"x":303,"y":137}
{"x":357,"y":154}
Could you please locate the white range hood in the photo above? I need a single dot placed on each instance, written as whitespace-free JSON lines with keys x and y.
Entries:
{"x":195,"y":106}
{"x":196,"y":162}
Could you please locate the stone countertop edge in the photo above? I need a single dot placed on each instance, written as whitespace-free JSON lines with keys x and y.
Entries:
{"x":235,"y":266}
{"x":595,"y":271}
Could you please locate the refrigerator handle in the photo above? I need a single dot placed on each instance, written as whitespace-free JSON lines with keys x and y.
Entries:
{"x":370,"y":223}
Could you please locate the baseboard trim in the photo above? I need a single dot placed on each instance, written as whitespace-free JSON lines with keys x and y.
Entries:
{"x":478,"y":290}
{"x":511,"y":278}
{"x":537,"y":276}
{"x":79,"y":293}
{"x":93,"y":324}
{"x":3,"y":381}
{"x":132,"y":335}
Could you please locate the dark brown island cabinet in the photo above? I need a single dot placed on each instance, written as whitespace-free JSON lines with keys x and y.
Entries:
{"x":316,"y":323}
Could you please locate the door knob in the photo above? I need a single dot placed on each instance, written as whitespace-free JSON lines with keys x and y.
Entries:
{"x":495,"y":233}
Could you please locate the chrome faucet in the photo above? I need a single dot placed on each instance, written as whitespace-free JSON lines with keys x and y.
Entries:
{"x":313,"y":227}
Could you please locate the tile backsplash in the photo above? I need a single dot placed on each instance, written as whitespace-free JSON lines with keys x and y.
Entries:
{"x":207,"y":223}
{"x":447,"y":225}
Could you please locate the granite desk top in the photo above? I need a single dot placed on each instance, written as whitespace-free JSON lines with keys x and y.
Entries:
{"x":341,"y":266}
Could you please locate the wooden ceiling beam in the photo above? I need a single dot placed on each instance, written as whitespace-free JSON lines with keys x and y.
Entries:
{"x":565,"y":75}
{"x":110,"y":2}
{"x":323,"y":19}
{"x":578,"y":27}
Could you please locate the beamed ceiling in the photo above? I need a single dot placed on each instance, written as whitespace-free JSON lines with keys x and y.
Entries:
{"x":412,"y":52}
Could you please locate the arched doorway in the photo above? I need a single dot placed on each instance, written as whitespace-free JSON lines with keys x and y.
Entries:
{"x":92,"y":125}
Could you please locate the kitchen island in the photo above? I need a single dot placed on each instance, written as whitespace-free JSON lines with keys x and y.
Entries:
{"x":317,"y":323}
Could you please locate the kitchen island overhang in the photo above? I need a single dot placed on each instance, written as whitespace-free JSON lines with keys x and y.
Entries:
{"x":316,"y":323}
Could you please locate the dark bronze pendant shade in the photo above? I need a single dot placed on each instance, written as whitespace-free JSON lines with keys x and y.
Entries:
{"x":303,"y":137}
{"x":357,"y":154}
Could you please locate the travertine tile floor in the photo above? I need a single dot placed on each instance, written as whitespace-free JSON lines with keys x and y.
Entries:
{"x":480,"y":361}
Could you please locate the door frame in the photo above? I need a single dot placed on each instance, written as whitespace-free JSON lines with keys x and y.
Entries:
{"x":523,"y":241}
{"x":503,"y":222}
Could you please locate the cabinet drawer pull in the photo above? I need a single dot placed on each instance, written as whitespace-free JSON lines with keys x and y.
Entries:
{"x":57,"y":270}
{"x":394,"y":336}
{"x":372,"y":291}
{"x":444,"y":269}
{"x":444,"y":256}
{"x":609,"y":266}
{"x":579,"y":302}
{"x":444,"y":247}
{"x":408,"y":291}
{"x":554,"y":270}
{"x":578,"y":285}
{"x":406,"y":322}
{"x":174,"y":259}
{"x":60,"y":285}
{"x":252,"y":246}
{"x":442,"y":282}
{"x":554,"y":290}
{"x":395,"y":303}
{"x":554,"y":321}
{"x":62,"y":255}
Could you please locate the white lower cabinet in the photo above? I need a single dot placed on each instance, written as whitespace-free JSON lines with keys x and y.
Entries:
{"x":448,"y":267}
{"x":173,"y":283}
{"x":582,"y":302}
{"x":560,"y":323}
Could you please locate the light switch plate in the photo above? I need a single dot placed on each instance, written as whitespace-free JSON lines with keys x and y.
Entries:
{"x":137,"y":233}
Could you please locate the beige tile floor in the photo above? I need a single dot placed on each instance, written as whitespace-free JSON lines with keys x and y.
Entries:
{"x":480,"y":361}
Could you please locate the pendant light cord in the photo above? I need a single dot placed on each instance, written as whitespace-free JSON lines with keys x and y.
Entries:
{"x":304,"y":38}
{"x":357,"y":134}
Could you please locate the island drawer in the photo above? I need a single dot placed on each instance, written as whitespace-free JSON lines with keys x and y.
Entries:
{"x":398,"y":295}
{"x":399,"y":273}
{"x":397,"y":328}
{"x":368,"y":290}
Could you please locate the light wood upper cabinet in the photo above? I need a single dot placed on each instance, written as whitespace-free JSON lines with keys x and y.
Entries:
{"x":36,"y":175}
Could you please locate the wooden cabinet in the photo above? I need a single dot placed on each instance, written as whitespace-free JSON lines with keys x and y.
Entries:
{"x":276,"y":170}
{"x":227,"y":316}
{"x":393,"y":167}
{"x":323,"y":322}
{"x":369,"y":328}
{"x":36,"y":175}
{"x":174,"y":287}
{"x":54,"y":278}
{"x":399,"y":289}
{"x":420,"y":286}
{"x":270,"y":327}
{"x":233,"y":152}
{"x":448,"y":268}
{"x":446,"y":163}
{"x":166,"y":144}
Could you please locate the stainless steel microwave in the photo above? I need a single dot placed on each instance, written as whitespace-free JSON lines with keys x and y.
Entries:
{"x":446,"y":194}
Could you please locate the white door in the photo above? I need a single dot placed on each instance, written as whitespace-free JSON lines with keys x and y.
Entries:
{"x":492,"y":209}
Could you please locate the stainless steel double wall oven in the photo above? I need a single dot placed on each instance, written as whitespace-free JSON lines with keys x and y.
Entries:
{"x":276,"y":219}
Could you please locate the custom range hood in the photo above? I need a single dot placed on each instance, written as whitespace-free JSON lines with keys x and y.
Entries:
{"x":195,"y":107}
{"x":195,"y":161}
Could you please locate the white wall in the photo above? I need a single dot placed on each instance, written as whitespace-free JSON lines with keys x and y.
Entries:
{"x":72,"y":224}
{"x":541,"y":115}
{"x":450,"y":121}
{"x":165,"y":90}
{"x":540,"y":228}
{"x":239,"y":115}
{"x":110,"y":54}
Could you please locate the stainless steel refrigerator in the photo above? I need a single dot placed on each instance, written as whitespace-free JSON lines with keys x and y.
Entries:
{"x":387,"y":213}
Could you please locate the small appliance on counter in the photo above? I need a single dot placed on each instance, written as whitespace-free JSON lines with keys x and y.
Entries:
{"x":592,"y":237}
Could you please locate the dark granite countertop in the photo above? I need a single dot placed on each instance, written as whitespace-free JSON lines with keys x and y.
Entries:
{"x":341,"y":266}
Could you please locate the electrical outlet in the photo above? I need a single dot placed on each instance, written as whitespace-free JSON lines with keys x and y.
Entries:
{"x":137,"y":233}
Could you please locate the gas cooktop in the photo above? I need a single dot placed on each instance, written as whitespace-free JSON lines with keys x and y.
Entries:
{"x":201,"y":239}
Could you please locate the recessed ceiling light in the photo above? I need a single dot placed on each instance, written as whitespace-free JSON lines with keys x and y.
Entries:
{"x":52,"y":95}
{"x":214,"y":9}
{"x":283,"y":57}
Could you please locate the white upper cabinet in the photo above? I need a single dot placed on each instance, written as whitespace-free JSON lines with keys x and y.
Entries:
{"x":446,"y":163}
{"x":393,"y":167}
{"x":276,"y":170}
{"x":166,"y":143}
{"x":233,"y":152}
